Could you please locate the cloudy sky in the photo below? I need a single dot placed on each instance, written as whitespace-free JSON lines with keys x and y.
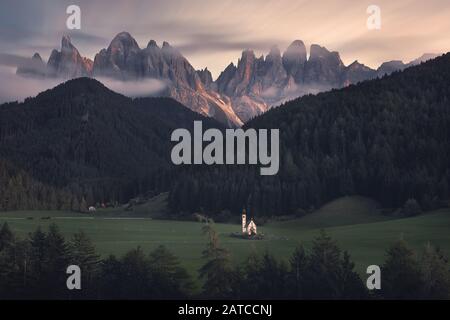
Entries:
{"x":212,"y":33}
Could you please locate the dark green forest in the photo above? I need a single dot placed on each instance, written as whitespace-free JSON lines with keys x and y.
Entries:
{"x":81,"y":144}
{"x":387,"y":138}
{"x":35,"y":268}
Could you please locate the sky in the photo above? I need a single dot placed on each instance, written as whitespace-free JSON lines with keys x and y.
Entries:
{"x":213,"y":33}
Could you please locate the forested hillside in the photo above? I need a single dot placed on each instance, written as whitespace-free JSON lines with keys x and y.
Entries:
{"x":387,"y":138}
{"x":80,"y":144}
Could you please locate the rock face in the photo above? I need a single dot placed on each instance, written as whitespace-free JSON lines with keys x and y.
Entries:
{"x":357,"y":72}
{"x":121,"y":59}
{"x":206,"y":78}
{"x":423,"y":58}
{"x":241,"y":91}
{"x":68,"y":62}
{"x":323,"y":67}
{"x":388,"y":67}
{"x":294,"y":59}
{"x":124,"y":59}
{"x":256,"y":84}
{"x":35,"y":67}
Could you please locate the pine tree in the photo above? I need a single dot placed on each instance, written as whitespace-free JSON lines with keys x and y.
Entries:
{"x":323,"y":268}
{"x":83,"y":205}
{"x":56,"y":262}
{"x":109,"y":281}
{"x":6,"y":236}
{"x":350,"y":285}
{"x":75,"y":205}
{"x":329,"y":273}
{"x":8,"y":264}
{"x":37,"y":241}
{"x":274,"y":277}
{"x":82,"y":254}
{"x":168,"y":276}
{"x":298,"y":265}
{"x":411,"y":208}
{"x":435,"y":273}
{"x":135,"y":276}
{"x":216,"y":272}
{"x":401,"y":273}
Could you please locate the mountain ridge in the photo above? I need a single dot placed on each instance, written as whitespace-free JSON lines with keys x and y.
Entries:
{"x":81,"y":139}
{"x":239,"y":93}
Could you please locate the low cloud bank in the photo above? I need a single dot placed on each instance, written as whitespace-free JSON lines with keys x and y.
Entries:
{"x":135,"y":88}
{"x":16,"y":88}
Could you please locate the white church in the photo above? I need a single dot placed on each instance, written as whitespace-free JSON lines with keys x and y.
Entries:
{"x":249,"y":228}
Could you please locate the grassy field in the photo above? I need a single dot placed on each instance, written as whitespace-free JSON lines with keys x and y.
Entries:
{"x":355,"y":222}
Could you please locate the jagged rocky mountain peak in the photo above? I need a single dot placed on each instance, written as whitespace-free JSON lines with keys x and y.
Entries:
{"x":68,"y":62}
{"x":247,"y":55}
{"x":241,"y":91}
{"x":152,"y":44}
{"x":297,"y":44}
{"x":205,"y":76}
{"x":320,"y":53}
{"x":36,"y":56}
{"x":296,"y":50}
{"x":35,"y":67}
{"x":426,"y":57}
{"x":388,"y":67}
{"x":294,"y":59}
{"x":274,"y":55}
{"x":124,"y":40}
{"x":124,"y":36}
{"x":317,"y":51}
{"x":357,"y":65}
{"x":169,"y":50}
{"x":66,"y":42}
{"x":274,"y":51}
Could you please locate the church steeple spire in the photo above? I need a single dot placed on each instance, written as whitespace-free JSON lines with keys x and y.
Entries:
{"x":244,"y":221}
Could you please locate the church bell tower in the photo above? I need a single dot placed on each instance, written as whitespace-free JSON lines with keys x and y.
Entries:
{"x":244,"y":221}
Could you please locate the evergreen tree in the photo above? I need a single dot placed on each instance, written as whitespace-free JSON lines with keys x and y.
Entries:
{"x":75,"y":205}
{"x":435,"y":273}
{"x":56,"y":253}
{"x":135,"y":277}
{"x":6,"y":236}
{"x":82,"y":254}
{"x":83,"y":205}
{"x":36,"y":269}
{"x":298,"y":265}
{"x":330,"y":274}
{"x":168,"y":276}
{"x":350,"y":284}
{"x":109,"y":281}
{"x":411,"y":208}
{"x":273,"y":277}
{"x":7,"y":262}
{"x":216,"y":272}
{"x":401,"y":273}
{"x":323,"y":268}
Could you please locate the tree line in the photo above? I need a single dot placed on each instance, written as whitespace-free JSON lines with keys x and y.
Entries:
{"x":80,"y":144}
{"x":35,"y":268}
{"x":388,"y":139}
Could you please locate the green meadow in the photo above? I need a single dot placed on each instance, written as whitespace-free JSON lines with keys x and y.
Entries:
{"x":355,"y":223}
